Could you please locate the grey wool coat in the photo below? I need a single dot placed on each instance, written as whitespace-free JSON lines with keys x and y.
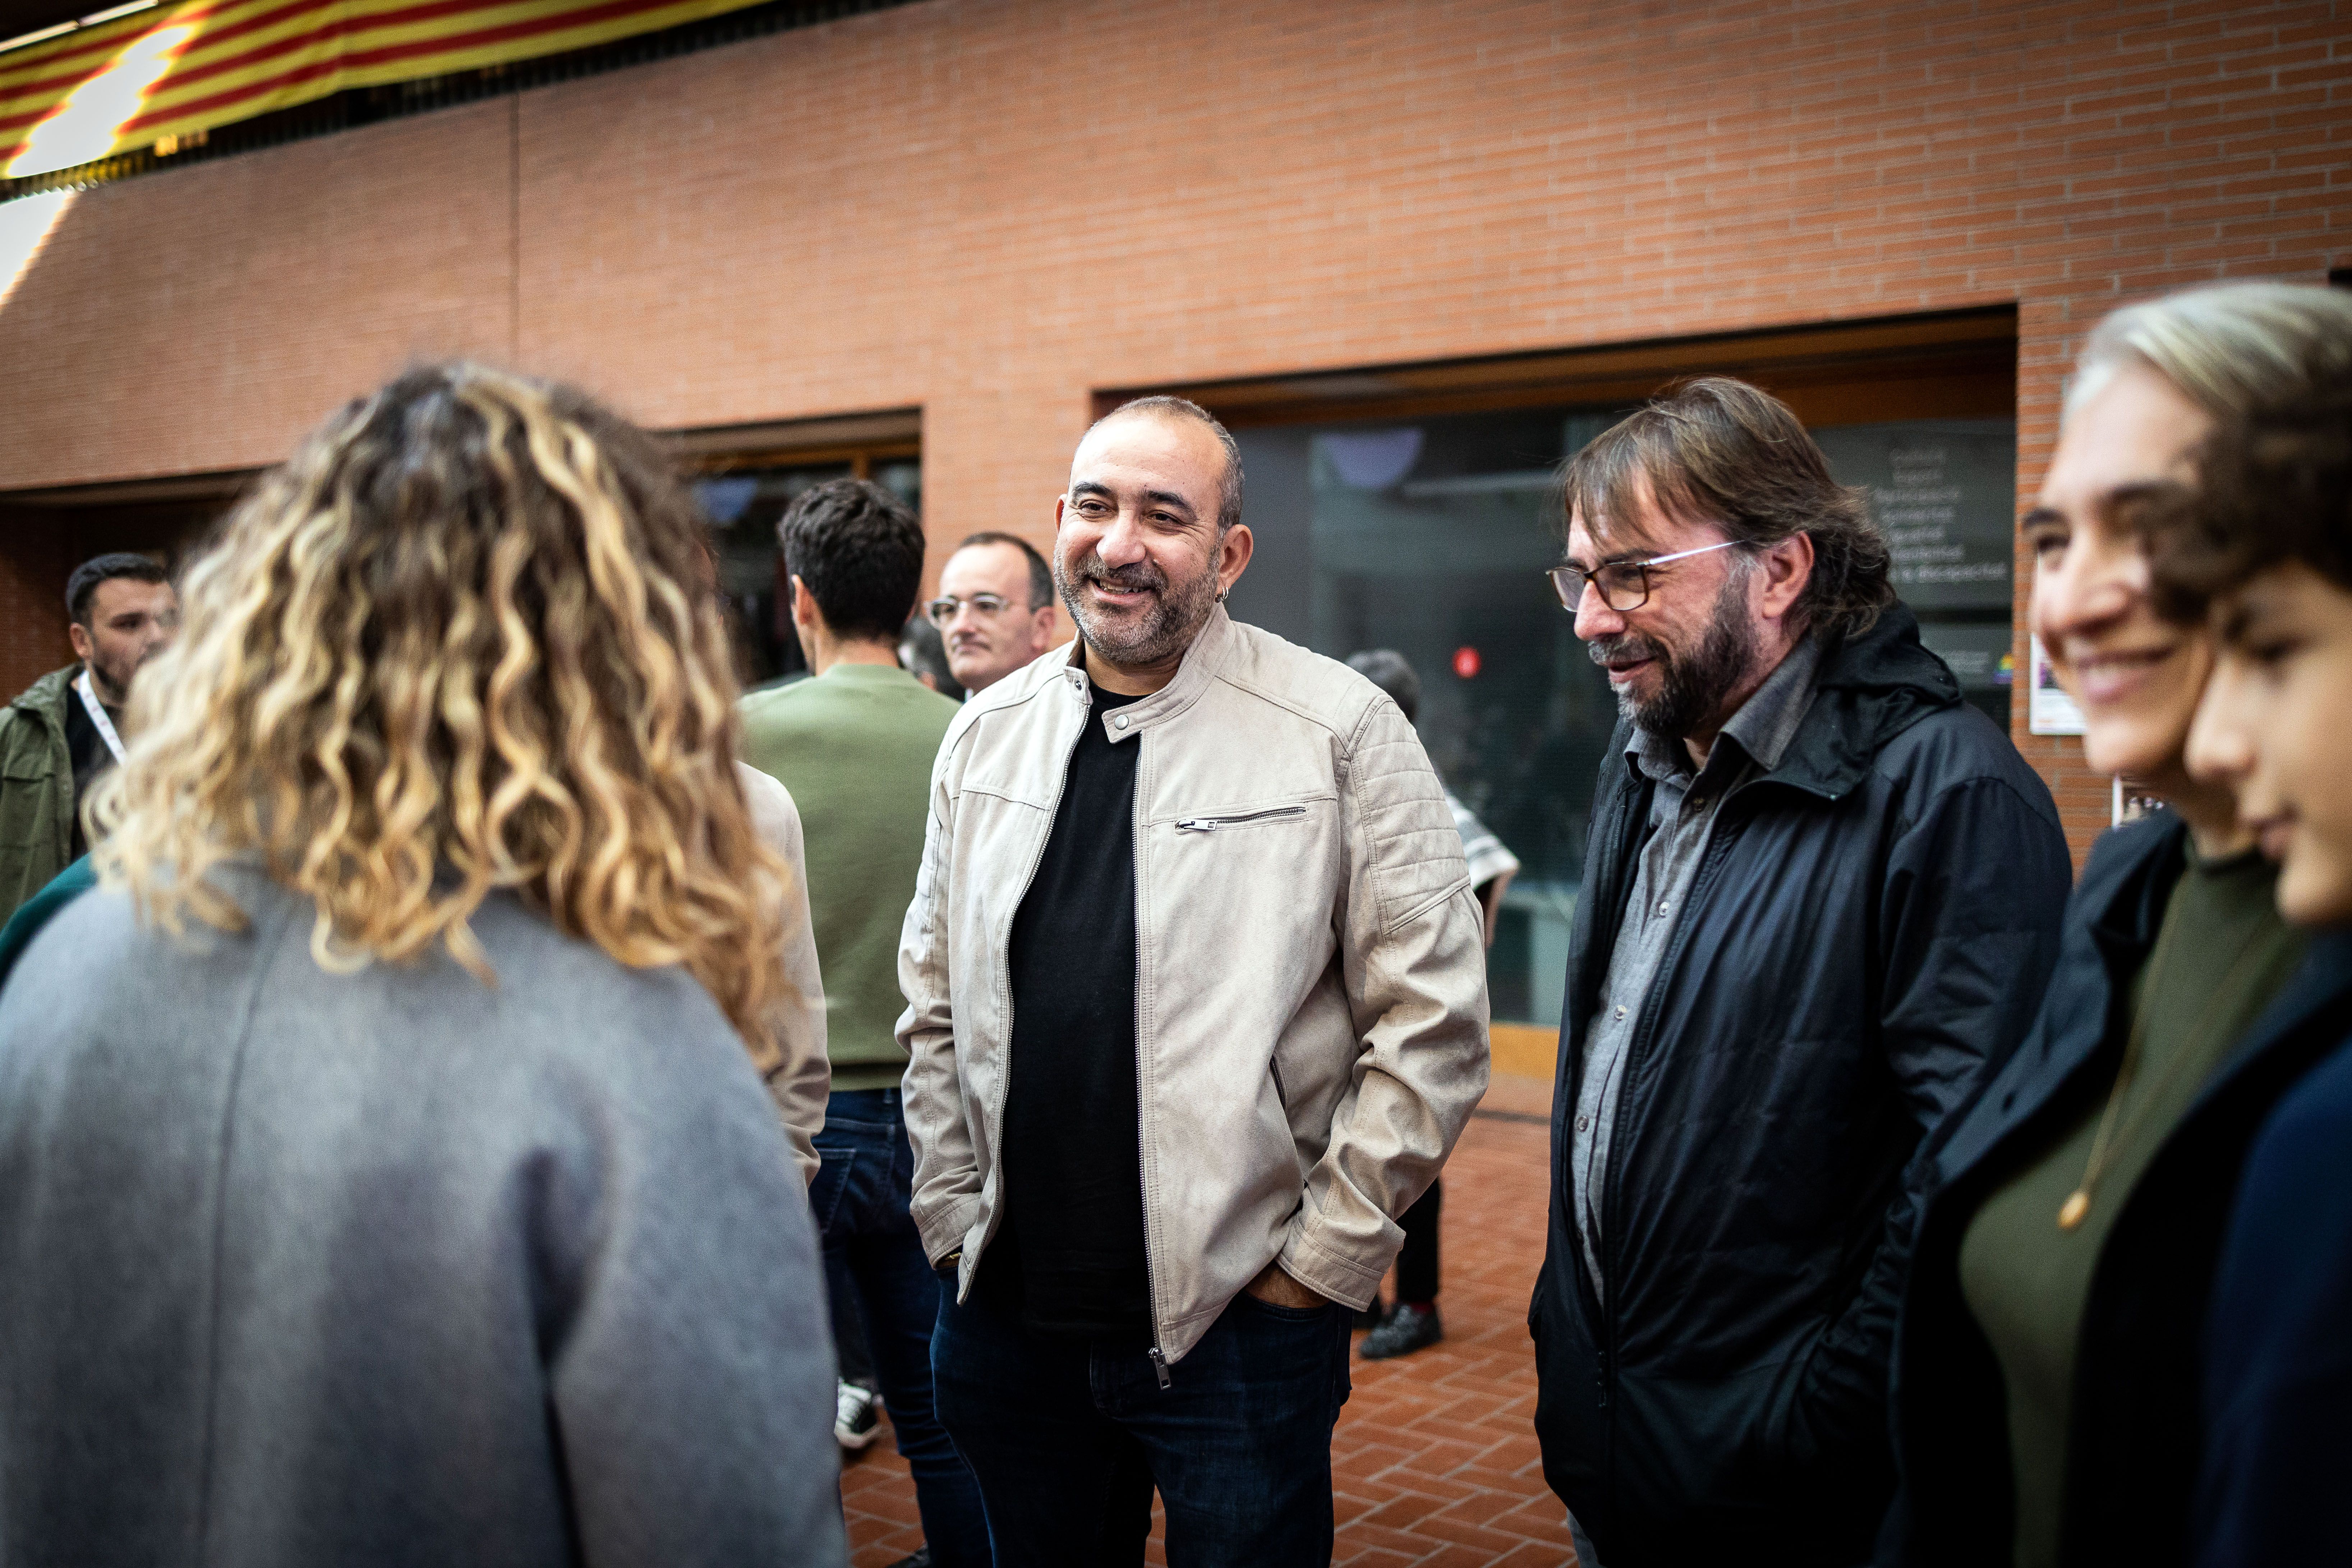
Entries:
{"x":394,"y":1267}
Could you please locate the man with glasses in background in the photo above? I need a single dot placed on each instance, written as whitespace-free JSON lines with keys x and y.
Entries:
{"x":995,"y":608}
{"x":1821,"y":895}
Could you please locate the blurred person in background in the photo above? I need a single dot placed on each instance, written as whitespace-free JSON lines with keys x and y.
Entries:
{"x":995,"y":607}
{"x":66,"y":729}
{"x":854,"y":745}
{"x":1820,"y":896}
{"x":2270,"y":546}
{"x":799,"y":1078}
{"x":1412,"y":1322}
{"x":2047,"y":1406}
{"x":1196,"y":1006}
{"x":924,"y":656}
{"x":384,"y":1174}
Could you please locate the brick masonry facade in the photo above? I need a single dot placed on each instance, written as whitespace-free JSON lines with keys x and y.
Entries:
{"x":992,"y":209}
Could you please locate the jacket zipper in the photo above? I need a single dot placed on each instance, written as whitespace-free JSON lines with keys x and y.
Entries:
{"x":1210,"y":824}
{"x":1151,"y":1275}
{"x":1004,"y":994}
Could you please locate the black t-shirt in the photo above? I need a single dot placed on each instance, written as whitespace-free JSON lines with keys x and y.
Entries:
{"x":1068,"y":1254}
{"x":90,"y":755}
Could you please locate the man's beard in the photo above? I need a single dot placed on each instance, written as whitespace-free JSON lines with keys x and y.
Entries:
{"x":1691,"y":688}
{"x":111,"y":679}
{"x":1168,"y":624}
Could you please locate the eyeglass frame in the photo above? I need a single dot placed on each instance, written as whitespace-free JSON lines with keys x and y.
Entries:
{"x":1569,"y":602}
{"x":941,"y":612}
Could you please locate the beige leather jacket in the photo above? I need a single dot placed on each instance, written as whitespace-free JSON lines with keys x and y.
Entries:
{"x":799,"y":1078}
{"x":1310,"y":978}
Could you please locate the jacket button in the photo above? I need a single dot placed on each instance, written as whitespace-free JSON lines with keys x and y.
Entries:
{"x":1620,"y":1011}
{"x":1119,"y":722}
{"x":1583,"y":1123}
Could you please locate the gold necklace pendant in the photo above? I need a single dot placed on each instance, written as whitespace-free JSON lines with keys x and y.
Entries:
{"x":2071,"y":1213}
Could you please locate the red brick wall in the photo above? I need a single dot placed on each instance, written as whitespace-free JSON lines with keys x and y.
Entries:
{"x":32,"y":571}
{"x":990,"y":208}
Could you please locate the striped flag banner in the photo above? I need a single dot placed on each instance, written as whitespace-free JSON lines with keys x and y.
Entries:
{"x":173,"y":70}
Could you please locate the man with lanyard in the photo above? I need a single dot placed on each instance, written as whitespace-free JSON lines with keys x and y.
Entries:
{"x":64,"y":731}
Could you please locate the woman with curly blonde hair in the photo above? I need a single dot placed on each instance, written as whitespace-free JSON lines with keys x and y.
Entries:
{"x":383,"y":1176}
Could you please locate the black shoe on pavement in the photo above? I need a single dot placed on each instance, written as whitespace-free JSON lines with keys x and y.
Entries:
{"x":1373,"y":1316}
{"x":1407,"y":1328}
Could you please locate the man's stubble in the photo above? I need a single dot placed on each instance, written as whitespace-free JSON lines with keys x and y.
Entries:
{"x":1177,"y":613}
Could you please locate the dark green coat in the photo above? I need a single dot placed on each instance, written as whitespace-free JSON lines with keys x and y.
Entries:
{"x":36,"y":788}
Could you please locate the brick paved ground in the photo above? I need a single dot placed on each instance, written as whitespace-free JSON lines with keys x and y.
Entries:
{"x":1434,"y":1461}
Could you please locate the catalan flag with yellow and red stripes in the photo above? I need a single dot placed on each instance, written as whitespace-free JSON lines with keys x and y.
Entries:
{"x":174,"y":69}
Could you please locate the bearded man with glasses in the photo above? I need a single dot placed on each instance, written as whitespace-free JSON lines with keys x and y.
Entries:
{"x":1821,"y":895}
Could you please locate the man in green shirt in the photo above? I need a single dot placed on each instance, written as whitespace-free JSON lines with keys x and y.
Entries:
{"x":854,"y":747}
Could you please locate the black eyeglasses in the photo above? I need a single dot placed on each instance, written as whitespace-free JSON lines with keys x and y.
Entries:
{"x":1623,"y":584}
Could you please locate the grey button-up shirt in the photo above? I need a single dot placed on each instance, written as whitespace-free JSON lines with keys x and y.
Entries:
{"x":1682,"y":820}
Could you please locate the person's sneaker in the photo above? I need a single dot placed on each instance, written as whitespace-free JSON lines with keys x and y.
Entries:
{"x":1373,"y":1316}
{"x":919,"y":1558}
{"x":1407,"y":1328}
{"x":857,"y":1416}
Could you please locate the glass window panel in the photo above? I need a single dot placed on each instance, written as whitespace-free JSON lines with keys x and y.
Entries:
{"x":743,"y":507}
{"x":1430,"y":537}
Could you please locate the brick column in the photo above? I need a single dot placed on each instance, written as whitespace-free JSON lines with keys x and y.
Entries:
{"x":32,"y":597}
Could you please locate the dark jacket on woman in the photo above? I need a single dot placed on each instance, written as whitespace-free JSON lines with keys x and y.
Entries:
{"x":2134,"y":1447}
{"x":396,"y":1267}
{"x":2277,"y":1485}
{"x":1868,"y":931}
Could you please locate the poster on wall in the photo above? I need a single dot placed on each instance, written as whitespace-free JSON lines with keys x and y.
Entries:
{"x":1945,"y":491}
{"x":2049,"y":710}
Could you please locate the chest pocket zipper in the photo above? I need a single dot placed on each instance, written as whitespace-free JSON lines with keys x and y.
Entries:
{"x":1210,"y":824}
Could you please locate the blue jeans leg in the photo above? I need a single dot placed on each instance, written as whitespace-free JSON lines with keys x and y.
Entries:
{"x":1243,"y":1450}
{"x":1065,"y":1484}
{"x":861,"y":1195}
{"x":1068,"y":1437}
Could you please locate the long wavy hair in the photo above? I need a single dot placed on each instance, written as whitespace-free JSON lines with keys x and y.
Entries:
{"x":461,"y":641}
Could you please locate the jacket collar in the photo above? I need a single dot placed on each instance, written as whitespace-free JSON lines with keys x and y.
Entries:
{"x":47,"y":697}
{"x":1201,"y":664}
{"x":2318,"y":994}
{"x":2124,"y":902}
{"x":1871,"y":686}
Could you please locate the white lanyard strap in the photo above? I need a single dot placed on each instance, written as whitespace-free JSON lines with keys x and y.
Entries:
{"x":97,"y":712}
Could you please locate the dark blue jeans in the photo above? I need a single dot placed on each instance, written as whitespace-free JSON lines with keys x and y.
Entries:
{"x":860,"y":1196}
{"x":1070,"y":1435}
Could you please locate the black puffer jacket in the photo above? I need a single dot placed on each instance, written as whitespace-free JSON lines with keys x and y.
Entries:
{"x":2134,"y":1419}
{"x":1870,"y":929}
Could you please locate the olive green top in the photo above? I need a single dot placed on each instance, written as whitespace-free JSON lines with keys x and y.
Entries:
{"x":854,"y":746}
{"x":2225,"y":953}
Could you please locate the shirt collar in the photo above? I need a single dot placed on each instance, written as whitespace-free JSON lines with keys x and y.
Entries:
{"x":865,"y":674}
{"x":1762,"y":729}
